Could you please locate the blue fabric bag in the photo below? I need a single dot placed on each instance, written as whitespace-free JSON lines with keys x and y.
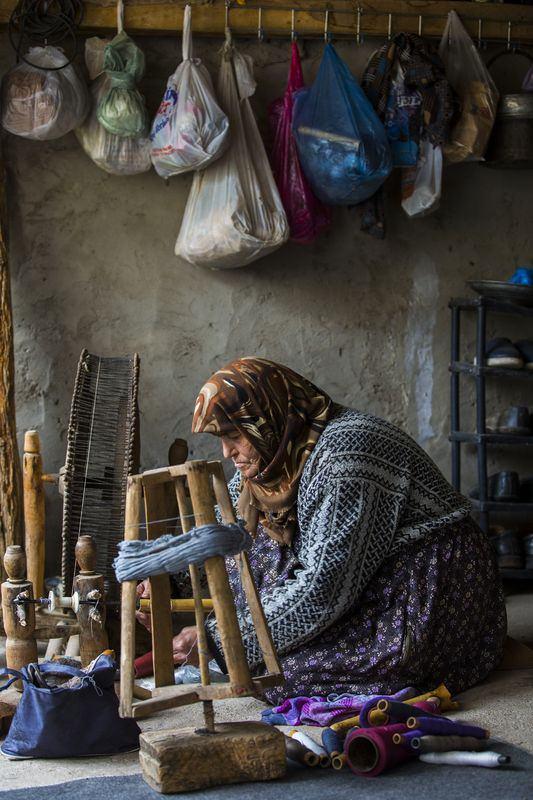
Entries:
{"x":342,"y":145}
{"x":67,"y":721}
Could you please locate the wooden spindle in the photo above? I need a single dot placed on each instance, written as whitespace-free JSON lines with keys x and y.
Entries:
{"x":198,"y":479}
{"x":19,"y":620}
{"x":185,"y":509}
{"x":34,"y":513}
{"x":128,"y":597}
{"x":90,"y":586}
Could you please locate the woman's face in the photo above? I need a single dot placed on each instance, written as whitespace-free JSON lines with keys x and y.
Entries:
{"x":243,"y":454}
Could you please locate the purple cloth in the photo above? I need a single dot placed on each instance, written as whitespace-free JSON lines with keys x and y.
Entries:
{"x":323,"y":711}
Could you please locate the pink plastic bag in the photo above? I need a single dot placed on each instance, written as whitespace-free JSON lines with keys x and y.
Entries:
{"x":306,"y":214}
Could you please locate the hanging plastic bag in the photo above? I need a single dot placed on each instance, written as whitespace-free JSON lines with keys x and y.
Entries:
{"x":477,"y":92}
{"x":118,"y":155}
{"x":121,"y":109}
{"x":342,"y":144}
{"x":403,"y":103}
{"x":421,"y":185}
{"x":189,"y":130}
{"x":234,"y":213}
{"x":42,"y":101}
{"x":307,"y":216}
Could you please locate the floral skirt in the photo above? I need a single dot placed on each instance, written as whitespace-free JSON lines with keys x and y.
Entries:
{"x":433,"y":613}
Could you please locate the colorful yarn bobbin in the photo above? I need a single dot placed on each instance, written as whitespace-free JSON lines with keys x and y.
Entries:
{"x":445,"y":726}
{"x":371,"y":751}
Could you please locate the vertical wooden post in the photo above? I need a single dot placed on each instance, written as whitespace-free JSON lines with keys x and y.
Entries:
{"x":198,"y":479}
{"x":19,"y":620}
{"x":128,"y":597}
{"x":90,"y":585}
{"x":11,"y":530}
{"x":34,"y":512}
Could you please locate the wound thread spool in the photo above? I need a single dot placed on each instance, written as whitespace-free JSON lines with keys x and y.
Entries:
{"x":462,"y":759}
{"x":338,"y":762}
{"x":297,"y":752}
{"x":400,"y":712}
{"x":333,"y":743}
{"x":310,"y":744}
{"x":409,"y":738}
{"x":441,"y":744}
{"x":371,"y":751}
{"x":444,"y":726}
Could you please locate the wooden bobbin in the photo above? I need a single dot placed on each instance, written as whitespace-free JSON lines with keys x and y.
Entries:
{"x":34,"y":511}
{"x":19,"y":620}
{"x":90,"y":586}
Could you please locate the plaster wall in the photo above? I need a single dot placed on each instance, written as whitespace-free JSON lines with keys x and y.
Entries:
{"x":93,"y":266}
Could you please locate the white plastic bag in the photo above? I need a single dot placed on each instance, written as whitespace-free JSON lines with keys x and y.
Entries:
{"x":43,"y":104}
{"x":421,"y":185}
{"x":118,"y":155}
{"x":189,"y":130}
{"x":234,"y":212}
{"x":471,"y":80}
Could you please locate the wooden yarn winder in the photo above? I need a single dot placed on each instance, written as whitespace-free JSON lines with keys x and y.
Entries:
{"x":185,"y":759}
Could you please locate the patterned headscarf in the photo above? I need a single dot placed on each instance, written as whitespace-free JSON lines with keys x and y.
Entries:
{"x":282,"y":415}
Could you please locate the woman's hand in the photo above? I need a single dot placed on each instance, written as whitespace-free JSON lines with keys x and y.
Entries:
{"x":143,"y":591}
{"x":185,"y":646}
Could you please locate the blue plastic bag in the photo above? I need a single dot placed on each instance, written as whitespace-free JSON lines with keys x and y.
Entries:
{"x":342,"y":145}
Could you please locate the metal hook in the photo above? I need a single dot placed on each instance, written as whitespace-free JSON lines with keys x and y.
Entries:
{"x":420,"y":24}
{"x":389,"y":29}
{"x":358,"y":37}
{"x":509,"y":23}
{"x":226,"y":17}
{"x":260,"y":31}
{"x":326,"y":25}
{"x":293,"y":28}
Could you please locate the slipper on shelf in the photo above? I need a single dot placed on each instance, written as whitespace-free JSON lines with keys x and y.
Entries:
{"x":501,"y":352}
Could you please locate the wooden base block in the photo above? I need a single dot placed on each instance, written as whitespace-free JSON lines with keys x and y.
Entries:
{"x":185,"y":760}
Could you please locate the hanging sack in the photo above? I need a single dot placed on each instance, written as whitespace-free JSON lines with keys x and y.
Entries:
{"x":44,"y":101}
{"x":121,"y":109}
{"x":421,"y":185}
{"x":234,"y":212}
{"x":117,"y":155}
{"x":189,"y":130}
{"x":342,"y":144}
{"x":477,"y":92}
{"x":307,"y":216}
{"x":78,"y":718}
{"x":403,"y":104}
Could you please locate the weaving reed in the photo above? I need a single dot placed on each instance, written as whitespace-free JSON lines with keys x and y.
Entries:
{"x":102,"y":450}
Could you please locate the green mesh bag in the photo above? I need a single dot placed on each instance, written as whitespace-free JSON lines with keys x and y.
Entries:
{"x":121,"y":110}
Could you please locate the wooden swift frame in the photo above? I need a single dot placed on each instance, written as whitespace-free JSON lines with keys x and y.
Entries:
{"x":196,"y":487}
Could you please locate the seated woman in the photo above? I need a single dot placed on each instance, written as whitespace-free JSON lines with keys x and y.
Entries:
{"x":372,"y":574}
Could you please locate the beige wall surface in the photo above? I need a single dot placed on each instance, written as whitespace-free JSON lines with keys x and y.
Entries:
{"x":93,"y":265}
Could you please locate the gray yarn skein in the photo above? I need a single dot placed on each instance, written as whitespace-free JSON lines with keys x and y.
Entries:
{"x":169,"y":554}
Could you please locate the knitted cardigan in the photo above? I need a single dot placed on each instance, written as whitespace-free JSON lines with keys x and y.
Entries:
{"x":366,"y":491}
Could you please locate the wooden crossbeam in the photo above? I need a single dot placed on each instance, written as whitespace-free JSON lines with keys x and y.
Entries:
{"x":165,"y":17}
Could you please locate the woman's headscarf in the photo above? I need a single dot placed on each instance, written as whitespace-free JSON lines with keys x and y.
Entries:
{"x":282,"y":415}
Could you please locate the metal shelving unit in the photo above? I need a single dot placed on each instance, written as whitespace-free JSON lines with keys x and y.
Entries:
{"x":480,"y":438}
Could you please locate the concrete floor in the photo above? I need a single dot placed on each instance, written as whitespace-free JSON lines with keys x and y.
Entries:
{"x":503,"y":704}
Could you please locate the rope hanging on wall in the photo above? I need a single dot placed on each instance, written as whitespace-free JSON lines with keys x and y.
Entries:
{"x":37,"y":23}
{"x":170,"y":554}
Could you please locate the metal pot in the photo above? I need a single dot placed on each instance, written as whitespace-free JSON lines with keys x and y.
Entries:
{"x":511,"y":143}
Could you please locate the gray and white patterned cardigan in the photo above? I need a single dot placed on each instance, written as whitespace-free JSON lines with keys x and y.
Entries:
{"x":367,"y":490}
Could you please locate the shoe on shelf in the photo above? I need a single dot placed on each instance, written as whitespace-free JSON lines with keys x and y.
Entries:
{"x":502,"y":486}
{"x":527,"y":542}
{"x":525,"y":348}
{"x":515,"y":420}
{"x":501,"y":352}
{"x":509,"y":549}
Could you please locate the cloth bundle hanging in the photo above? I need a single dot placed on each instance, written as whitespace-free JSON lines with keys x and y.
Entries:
{"x":169,"y":554}
{"x":44,"y":101}
{"x":189,"y":130}
{"x":406,"y":83}
{"x":307,"y":216}
{"x":234,"y":213}
{"x":477,"y":92}
{"x":118,"y":155}
{"x":121,"y":110}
